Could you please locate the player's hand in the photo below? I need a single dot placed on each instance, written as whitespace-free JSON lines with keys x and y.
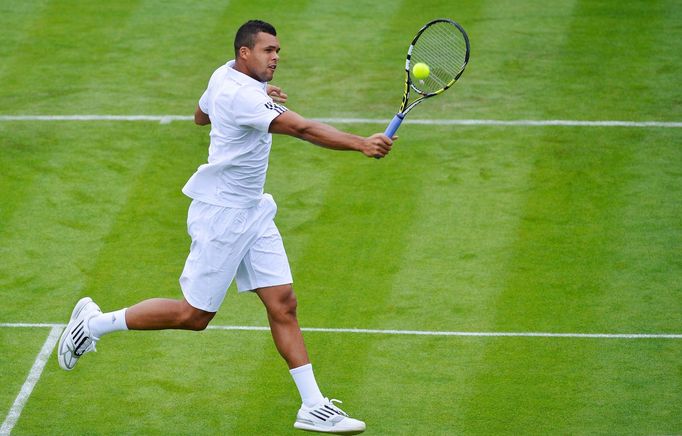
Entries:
{"x":276,"y":93}
{"x":377,"y":145}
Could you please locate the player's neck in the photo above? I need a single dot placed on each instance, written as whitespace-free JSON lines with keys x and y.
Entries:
{"x":241,"y":67}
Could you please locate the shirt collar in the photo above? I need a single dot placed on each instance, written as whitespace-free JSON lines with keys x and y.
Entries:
{"x":243,"y":78}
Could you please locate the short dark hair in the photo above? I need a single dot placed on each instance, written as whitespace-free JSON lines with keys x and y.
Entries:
{"x":246,"y":35}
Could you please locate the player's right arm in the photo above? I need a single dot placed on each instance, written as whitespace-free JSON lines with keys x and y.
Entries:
{"x":292,"y":124}
{"x":201,"y":118}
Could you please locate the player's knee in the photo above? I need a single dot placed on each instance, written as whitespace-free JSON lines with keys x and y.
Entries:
{"x":195,"y":319}
{"x":286,"y":306}
{"x":199,"y":324}
{"x":291,"y":304}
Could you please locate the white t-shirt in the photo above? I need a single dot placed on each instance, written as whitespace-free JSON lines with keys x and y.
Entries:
{"x":241,"y":112}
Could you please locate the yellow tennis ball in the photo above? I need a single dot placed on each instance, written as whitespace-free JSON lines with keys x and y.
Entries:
{"x":420,"y":71}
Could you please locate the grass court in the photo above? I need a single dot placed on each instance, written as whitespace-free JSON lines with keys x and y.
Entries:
{"x":479,"y":228}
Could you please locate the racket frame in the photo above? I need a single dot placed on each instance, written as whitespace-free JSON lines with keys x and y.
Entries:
{"x":409,"y":85}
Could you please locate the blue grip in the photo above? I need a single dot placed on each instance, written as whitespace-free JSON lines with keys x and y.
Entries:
{"x":393,"y":125}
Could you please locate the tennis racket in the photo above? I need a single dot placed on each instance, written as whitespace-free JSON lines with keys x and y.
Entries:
{"x":443,"y":46}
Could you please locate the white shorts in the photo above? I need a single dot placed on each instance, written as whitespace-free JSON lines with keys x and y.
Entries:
{"x":229,"y":243}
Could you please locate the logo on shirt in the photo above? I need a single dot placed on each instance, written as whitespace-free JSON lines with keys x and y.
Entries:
{"x":275,"y":107}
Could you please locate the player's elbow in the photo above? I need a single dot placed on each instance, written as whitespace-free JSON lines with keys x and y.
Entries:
{"x":306,"y":129}
{"x":301,"y":130}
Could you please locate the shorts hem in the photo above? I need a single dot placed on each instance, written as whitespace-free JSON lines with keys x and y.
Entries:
{"x":192,"y":302}
{"x":264,"y":285}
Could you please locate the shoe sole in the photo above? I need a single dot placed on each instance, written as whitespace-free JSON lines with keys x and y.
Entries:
{"x":82,"y":303}
{"x":308,"y":427}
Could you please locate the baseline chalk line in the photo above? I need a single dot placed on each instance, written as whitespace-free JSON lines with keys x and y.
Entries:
{"x":166,"y":119}
{"x":415,"y":332}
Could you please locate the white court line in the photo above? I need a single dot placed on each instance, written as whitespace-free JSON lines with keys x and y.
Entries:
{"x":469,"y":334}
{"x":525,"y":123}
{"x":165,"y":119}
{"x":418,"y":332}
{"x":33,"y":377}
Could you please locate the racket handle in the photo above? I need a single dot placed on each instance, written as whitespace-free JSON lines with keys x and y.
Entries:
{"x":393,"y":125}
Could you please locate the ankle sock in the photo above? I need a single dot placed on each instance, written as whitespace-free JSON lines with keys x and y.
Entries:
{"x":307,"y":385}
{"x":105,"y":323}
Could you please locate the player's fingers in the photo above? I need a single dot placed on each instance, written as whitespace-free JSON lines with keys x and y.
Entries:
{"x":382,"y":150}
{"x":281,"y":97}
{"x":380,"y":145}
{"x":386,"y":145}
{"x":276,"y":93}
{"x":388,"y":140}
{"x":377,"y":152}
{"x":380,"y":138}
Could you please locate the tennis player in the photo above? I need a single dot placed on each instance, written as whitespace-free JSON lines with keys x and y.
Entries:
{"x":231,"y":223}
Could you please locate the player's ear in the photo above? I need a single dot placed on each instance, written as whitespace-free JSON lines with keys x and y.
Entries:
{"x":244,"y":52}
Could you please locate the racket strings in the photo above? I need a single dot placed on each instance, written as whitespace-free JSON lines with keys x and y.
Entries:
{"x":442,"y":47}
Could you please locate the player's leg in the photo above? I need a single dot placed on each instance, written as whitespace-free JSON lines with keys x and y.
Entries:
{"x":208,"y":271}
{"x":152,"y":314}
{"x":265,"y":269}
{"x":317,"y":413}
{"x":165,"y":313}
{"x":88,"y":324}
{"x":280,"y":304}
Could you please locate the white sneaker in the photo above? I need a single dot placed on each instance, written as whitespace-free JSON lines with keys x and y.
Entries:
{"x":327,"y":418}
{"x":76,"y":339}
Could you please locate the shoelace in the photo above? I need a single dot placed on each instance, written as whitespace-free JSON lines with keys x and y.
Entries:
{"x":330,"y":404}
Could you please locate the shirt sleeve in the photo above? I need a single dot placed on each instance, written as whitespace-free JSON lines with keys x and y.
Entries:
{"x":203,"y":102}
{"x":255,"y":109}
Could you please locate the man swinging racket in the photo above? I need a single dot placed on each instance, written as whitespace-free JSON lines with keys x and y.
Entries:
{"x":231,"y":223}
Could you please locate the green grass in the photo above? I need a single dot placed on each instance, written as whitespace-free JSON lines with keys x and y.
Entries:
{"x":479,"y":228}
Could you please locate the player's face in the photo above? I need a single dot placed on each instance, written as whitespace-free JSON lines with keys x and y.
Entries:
{"x":262,"y":60}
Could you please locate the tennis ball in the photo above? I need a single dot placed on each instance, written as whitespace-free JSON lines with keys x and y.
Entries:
{"x":420,"y":71}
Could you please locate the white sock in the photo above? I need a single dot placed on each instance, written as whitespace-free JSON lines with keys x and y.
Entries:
{"x":306,"y":384}
{"x":109,"y":322}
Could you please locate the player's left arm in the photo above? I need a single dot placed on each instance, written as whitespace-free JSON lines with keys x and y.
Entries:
{"x":276,"y":93}
{"x":292,"y":124}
